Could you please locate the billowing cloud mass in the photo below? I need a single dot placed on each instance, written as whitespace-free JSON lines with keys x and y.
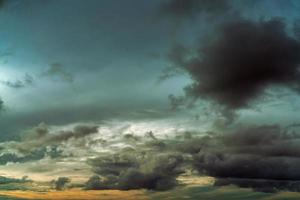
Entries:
{"x":250,"y":153}
{"x":247,"y":153}
{"x":265,"y":157}
{"x":245,"y":156}
{"x":133,"y":170}
{"x":245,"y":60}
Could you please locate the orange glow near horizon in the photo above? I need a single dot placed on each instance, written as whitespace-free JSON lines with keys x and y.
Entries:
{"x":77,"y":194}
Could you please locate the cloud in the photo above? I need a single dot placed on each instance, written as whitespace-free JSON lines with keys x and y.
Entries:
{"x":78,"y":132}
{"x":41,"y":142}
{"x":5,"y":180}
{"x":247,"y":156}
{"x":61,"y":183}
{"x":190,"y":8}
{"x":247,"y":58}
{"x":56,"y":70}
{"x":248,"y":153}
{"x":132,"y":170}
{"x":41,"y":135}
{"x":26,"y":81}
{"x":261,"y":185}
{"x":33,"y":155}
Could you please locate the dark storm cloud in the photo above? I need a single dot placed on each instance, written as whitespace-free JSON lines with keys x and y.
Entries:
{"x":245,"y":60}
{"x":189,"y":8}
{"x":26,"y":81}
{"x":250,"y":153}
{"x":261,"y":185}
{"x":135,"y":171}
{"x":56,"y":70}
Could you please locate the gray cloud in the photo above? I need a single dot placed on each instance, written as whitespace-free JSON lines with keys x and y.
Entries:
{"x":33,"y":155}
{"x":26,"y":81}
{"x":6,"y":180}
{"x":134,"y":170}
{"x":61,"y":183}
{"x":261,"y":185}
{"x":259,"y":157}
{"x":250,"y":153}
{"x":265,"y":158}
{"x":40,"y":142}
{"x":42,"y":133}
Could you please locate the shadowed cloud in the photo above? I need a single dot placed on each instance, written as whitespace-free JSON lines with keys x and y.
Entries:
{"x":134,"y":170}
{"x":245,"y":60}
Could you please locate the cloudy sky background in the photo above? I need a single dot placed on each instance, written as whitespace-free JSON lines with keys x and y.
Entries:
{"x":153,"y":89}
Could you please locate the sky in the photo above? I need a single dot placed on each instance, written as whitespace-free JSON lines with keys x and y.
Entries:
{"x":105,"y":91}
